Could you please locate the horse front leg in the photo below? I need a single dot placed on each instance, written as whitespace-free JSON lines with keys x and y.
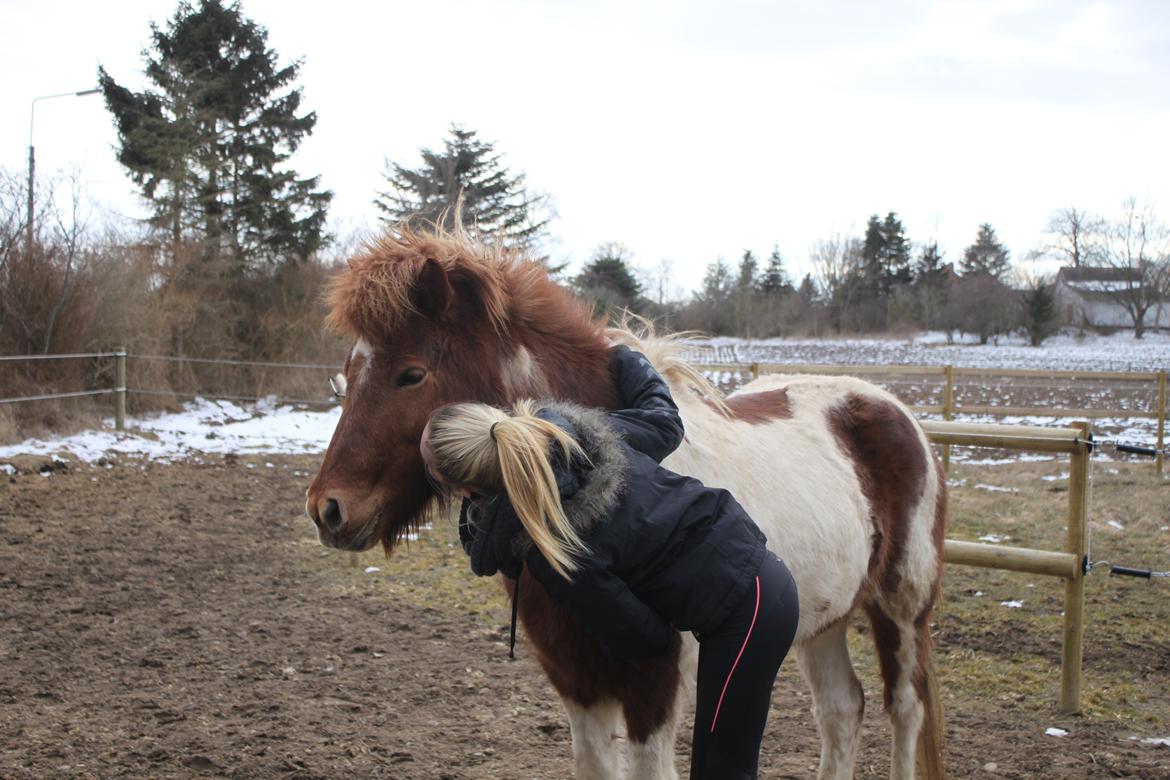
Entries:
{"x":652,"y":758}
{"x":838,"y":700}
{"x":654,"y":714}
{"x":596,"y":732}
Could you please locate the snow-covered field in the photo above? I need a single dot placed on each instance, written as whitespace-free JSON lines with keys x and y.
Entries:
{"x":1119,"y":352}
{"x":207,"y":427}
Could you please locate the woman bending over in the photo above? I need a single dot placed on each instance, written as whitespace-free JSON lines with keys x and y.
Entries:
{"x":632,"y":550}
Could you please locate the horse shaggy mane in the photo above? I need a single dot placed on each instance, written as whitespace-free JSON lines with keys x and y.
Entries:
{"x":379,"y":290}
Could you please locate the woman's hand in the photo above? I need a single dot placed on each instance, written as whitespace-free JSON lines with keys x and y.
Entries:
{"x":488,"y":533}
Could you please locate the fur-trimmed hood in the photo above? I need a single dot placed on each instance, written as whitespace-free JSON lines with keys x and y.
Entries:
{"x":600,"y":482}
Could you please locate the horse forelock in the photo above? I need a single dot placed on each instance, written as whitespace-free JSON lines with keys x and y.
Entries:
{"x":375,"y":295}
{"x":496,"y":288}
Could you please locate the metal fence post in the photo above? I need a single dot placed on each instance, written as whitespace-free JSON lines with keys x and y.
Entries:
{"x":1072,"y":651}
{"x":120,"y":390}
{"x":1161,"y":420}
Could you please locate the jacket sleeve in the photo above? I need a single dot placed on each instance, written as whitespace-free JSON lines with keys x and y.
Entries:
{"x":604,"y":606}
{"x":649,"y":421}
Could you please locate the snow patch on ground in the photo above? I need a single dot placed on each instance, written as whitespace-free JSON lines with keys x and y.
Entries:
{"x":203,"y":427}
{"x":995,"y":488}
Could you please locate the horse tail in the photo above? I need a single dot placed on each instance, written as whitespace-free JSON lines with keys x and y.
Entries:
{"x":667,"y":355}
{"x":931,"y":738}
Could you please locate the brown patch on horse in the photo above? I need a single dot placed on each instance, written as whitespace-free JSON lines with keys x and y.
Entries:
{"x":938,"y":531}
{"x":580,"y":672}
{"x":887,"y":640}
{"x":759,"y":408}
{"x":888,"y":458}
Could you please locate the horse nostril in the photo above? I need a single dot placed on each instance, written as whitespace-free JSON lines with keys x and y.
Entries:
{"x":331,"y":515}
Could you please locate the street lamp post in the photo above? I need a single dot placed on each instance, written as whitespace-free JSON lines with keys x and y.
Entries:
{"x":32,"y":155}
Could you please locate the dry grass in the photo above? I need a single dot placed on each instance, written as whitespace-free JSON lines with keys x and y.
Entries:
{"x":995,"y":657}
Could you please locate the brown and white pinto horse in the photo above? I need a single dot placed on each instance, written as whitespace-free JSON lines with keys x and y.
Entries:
{"x":835,"y":471}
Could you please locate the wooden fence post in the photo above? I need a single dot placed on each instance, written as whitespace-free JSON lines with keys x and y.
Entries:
{"x":755,"y":371}
{"x":1158,"y":464}
{"x":1072,"y":652}
{"x":948,"y":414}
{"x":120,"y":390}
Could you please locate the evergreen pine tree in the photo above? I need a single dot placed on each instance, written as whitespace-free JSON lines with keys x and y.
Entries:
{"x":748,"y":266}
{"x":717,"y":283}
{"x":885,"y":254}
{"x":711,"y":302}
{"x":607,"y":279}
{"x":494,"y":202}
{"x":745,"y":291}
{"x":986,"y":255}
{"x":931,"y":283}
{"x":929,"y":264}
{"x":870,"y":283}
{"x":774,"y":281}
{"x":807,"y":292}
{"x":208,"y":143}
{"x":896,"y":254}
{"x":1038,"y":304}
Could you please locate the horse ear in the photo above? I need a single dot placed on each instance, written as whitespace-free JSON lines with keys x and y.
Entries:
{"x":433,"y":294}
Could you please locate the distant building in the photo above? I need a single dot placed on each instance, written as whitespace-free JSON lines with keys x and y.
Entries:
{"x":1089,"y":297}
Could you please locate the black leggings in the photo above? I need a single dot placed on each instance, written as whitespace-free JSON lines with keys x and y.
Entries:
{"x":738,"y":663}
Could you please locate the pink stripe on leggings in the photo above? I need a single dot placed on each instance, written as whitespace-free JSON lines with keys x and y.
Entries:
{"x":746,"y":639}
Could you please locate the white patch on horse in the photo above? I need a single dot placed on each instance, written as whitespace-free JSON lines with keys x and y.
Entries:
{"x":362,"y":350}
{"x":522,"y":377}
{"x":597,"y":736}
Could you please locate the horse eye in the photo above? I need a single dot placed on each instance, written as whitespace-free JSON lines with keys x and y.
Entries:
{"x":411,"y":376}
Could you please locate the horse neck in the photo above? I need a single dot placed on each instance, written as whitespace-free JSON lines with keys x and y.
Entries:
{"x":575,"y":369}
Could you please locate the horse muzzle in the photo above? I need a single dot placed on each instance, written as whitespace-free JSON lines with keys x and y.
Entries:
{"x":329,"y":516}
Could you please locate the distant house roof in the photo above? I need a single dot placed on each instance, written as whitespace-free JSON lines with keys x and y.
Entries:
{"x":1095,"y":282}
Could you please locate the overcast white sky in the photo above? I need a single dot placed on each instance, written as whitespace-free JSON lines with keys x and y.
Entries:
{"x":687,"y":130}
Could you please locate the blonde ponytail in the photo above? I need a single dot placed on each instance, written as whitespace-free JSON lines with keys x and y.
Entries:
{"x":488,"y":449}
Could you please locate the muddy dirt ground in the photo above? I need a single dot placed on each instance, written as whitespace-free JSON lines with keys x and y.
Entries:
{"x":181,"y":621}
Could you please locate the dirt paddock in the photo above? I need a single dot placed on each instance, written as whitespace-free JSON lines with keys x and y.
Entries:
{"x":181,"y":621}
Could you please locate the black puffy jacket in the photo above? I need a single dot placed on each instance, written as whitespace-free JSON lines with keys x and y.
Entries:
{"x":664,"y":549}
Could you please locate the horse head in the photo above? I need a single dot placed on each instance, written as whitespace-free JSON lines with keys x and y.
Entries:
{"x":435,"y":319}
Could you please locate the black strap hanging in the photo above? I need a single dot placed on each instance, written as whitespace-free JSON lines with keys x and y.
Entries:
{"x":515,"y":607}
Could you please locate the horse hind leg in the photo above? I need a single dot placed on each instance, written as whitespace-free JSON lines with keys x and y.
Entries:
{"x":597,"y":753}
{"x":838,"y":700}
{"x":911,"y":693}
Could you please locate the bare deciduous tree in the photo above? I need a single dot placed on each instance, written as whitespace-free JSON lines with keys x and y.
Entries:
{"x":837,"y":262}
{"x":981,"y":304}
{"x":660,"y":282}
{"x":1137,"y":244}
{"x":68,"y":232}
{"x":12,"y":227}
{"x":1076,"y":237}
